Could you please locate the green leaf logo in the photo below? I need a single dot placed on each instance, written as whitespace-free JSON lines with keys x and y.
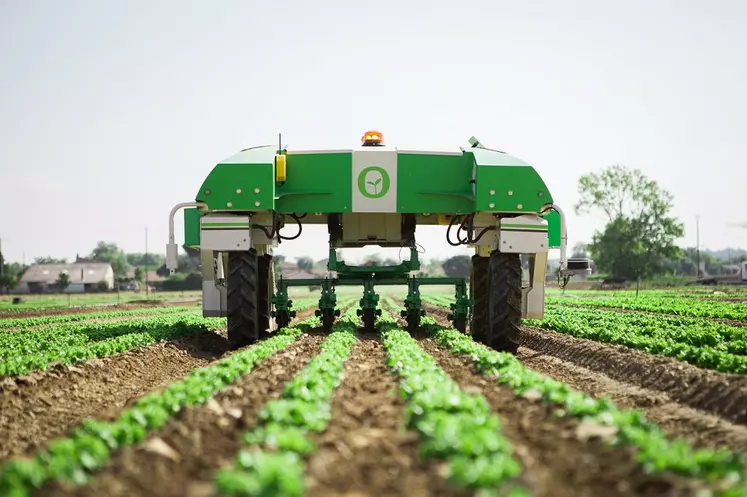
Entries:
{"x":373,"y":182}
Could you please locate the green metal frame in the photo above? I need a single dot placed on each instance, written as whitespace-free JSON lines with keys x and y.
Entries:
{"x":369,"y":277}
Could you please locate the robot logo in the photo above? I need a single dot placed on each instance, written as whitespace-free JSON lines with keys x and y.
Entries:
{"x":373,"y":182}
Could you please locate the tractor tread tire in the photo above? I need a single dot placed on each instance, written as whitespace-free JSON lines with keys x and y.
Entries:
{"x":480,"y":292}
{"x":504,"y":332}
{"x":264,"y":295}
{"x":242,"y":298}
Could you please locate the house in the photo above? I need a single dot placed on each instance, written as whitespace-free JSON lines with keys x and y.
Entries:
{"x":154,"y":280}
{"x":83,"y":276}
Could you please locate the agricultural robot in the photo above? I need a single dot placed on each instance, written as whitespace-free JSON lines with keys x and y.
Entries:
{"x":374,"y":195}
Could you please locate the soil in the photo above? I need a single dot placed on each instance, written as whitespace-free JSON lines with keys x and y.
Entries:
{"x":702,"y":430}
{"x":44,"y":405}
{"x":724,"y":395}
{"x":365,"y":451}
{"x":181,"y":458}
{"x":543,"y":443}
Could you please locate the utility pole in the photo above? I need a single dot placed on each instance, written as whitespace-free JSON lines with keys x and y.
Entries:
{"x":697,"y":246}
{"x":146,"y":263}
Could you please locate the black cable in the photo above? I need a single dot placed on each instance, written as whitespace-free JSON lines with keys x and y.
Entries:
{"x":448,"y":233}
{"x":300,"y":229}
{"x":482,"y":233}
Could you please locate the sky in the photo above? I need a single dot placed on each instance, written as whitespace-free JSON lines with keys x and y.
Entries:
{"x":112,"y":112}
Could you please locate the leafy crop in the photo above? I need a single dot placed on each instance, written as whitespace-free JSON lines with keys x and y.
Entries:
{"x":707,"y":345}
{"x":698,"y":341}
{"x":275,"y":465}
{"x":23,"y":352}
{"x":453,"y":425}
{"x":653,"y":450}
{"x":89,"y":447}
{"x":23,"y":322}
{"x":677,"y":306}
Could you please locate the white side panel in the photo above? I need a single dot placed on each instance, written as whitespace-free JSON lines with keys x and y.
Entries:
{"x":525,"y":234}
{"x":522,"y":242}
{"x":214,"y":300}
{"x":374,"y":180}
{"x":533,"y":301}
{"x":225,"y":233}
{"x":214,"y":303}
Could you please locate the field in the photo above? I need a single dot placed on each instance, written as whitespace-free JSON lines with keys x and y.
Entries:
{"x":610,"y":395}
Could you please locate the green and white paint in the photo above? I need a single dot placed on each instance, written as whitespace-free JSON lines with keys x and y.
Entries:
{"x":374,"y":180}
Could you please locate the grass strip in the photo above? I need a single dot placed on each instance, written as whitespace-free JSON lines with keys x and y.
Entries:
{"x":454,"y":426}
{"x":722,"y":469}
{"x":273,"y":464}
{"x":73,"y":459}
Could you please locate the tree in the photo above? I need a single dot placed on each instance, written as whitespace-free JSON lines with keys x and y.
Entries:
{"x":639,"y":235}
{"x":139,"y":274}
{"x":142,"y":259}
{"x":111,"y":253}
{"x":63,"y":281}
{"x":579,"y":251}
{"x":49,"y":260}
{"x":457,"y":266}
{"x":373,"y":260}
{"x":305,"y":263}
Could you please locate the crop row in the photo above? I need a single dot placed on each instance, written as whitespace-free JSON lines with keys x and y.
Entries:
{"x":22,"y":352}
{"x":716,"y":347}
{"x":273,"y":464}
{"x":72,"y":459}
{"x":22,"y":322}
{"x":697,"y":341}
{"x":722,"y":469}
{"x":663,"y":305}
{"x":454,"y":426}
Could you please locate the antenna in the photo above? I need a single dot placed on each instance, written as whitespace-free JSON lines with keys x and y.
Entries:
{"x":280,"y":142}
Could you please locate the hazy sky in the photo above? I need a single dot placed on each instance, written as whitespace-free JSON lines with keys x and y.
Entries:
{"x":111,"y":112}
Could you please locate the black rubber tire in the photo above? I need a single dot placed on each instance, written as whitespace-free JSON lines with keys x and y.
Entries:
{"x":480,"y":291}
{"x":504,"y":332}
{"x":369,"y":319}
{"x":264,"y":295}
{"x":242,"y":298}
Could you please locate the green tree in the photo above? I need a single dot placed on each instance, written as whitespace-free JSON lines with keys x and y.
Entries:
{"x":49,"y":260}
{"x":139,"y":274}
{"x":142,"y":259}
{"x":111,"y":253}
{"x":372,"y":260}
{"x":638,"y":238}
{"x":457,"y":266}
{"x":63,"y":281}
{"x":305,"y":263}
